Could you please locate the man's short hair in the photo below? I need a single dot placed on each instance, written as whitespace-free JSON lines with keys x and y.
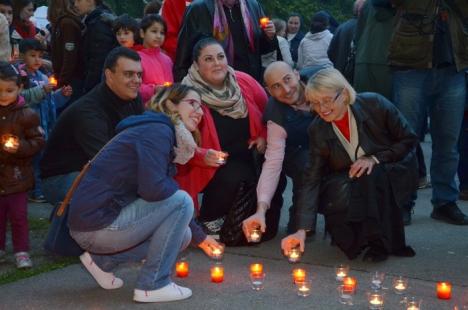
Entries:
{"x":6,"y":3}
{"x":117,"y":53}
{"x":26,"y":45}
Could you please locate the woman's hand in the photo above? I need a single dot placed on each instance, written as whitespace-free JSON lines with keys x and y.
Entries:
{"x":209,"y":244}
{"x":360,"y":166}
{"x":260,"y":143}
{"x":270,"y":30}
{"x":293,"y":241}
{"x":212,"y":157}
{"x":255,"y":220}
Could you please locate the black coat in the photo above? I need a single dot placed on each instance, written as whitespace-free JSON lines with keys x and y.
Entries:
{"x":198,"y":24}
{"x":340,"y":46}
{"x":83,"y":129}
{"x":383,"y":132}
{"x":98,"y":41}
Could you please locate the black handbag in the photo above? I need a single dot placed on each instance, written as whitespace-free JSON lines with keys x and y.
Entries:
{"x":58,"y":240}
{"x":244,"y":205}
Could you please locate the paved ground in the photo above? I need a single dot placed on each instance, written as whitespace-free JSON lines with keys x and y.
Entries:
{"x":442,"y":254}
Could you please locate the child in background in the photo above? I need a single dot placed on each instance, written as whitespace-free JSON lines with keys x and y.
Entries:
{"x":21,"y":139}
{"x":157,"y":66}
{"x":127,"y":32}
{"x":45,"y":102}
{"x":6,"y":8}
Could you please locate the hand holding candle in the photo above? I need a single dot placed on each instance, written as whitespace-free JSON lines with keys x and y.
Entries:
{"x":294,"y":255}
{"x":264,"y":21}
{"x":10,"y":143}
{"x":53,"y":82}
{"x":222,"y":158}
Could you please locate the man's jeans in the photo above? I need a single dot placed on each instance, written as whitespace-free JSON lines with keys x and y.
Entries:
{"x":55,"y":188}
{"x":463,"y":147}
{"x":155,"y":231}
{"x":443,"y":92}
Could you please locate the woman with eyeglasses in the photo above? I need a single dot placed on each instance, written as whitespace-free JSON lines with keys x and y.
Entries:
{"x":128,"y":207}
{"x":361,"y":170}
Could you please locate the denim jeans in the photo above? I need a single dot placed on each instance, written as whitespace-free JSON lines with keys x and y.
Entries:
{"x":442,"y":92}
{"x":55,"y":188}
{"x":155,"y":231}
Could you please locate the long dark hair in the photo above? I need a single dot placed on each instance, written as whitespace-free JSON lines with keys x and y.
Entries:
{"x":58,"y":8}
{"x":18,"y":5}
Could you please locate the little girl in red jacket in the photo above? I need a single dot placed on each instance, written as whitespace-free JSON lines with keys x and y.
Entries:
{"x":157,"y":66}
{"x":21,"y":138}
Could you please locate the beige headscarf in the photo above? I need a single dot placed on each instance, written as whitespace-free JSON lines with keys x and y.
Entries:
{"x":227,"y":101}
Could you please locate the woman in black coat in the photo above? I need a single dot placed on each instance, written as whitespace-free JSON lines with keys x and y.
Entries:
{"x":361,"y":170}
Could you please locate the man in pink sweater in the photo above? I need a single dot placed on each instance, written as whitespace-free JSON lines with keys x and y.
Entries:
{"x":288,"y":116}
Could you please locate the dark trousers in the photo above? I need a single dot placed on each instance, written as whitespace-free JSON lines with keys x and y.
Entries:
{"x":295,"y":160}
{"x":14,"y":208}
{"x":463,"y":149}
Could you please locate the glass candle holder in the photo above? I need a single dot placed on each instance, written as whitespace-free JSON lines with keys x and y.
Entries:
{"x":345,"y":296}
{"x":400,"y":285}
{"x":182,"y":269}
{"x":294,"y":255}
{"x":221,"y":158}
{"x":303,"y":288}
{"x":377,"y":280}
{"x":217,"y":253}
{"x":10,"y":142}
{"x":256,"y":235}
{"x":349,"y":284}
{"x":257,"y":281}
{"x":444,"y":290}
{"x":413,"y":304}
{"x":217,"y":273}
{"x":298,"y":275}
{"x":341,"y":271}
{"x":256,"y":268}
{"x":375,"y":300}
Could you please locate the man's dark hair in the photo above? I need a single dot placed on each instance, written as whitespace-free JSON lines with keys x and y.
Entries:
{"x":26,"y":45}
{"x":117,"y":53}
{"x":150,"y":19}
{"x":6,"y":3}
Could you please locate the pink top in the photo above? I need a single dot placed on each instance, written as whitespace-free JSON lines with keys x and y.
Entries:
{"x":274,"y":156}
{"x":157,"y":69}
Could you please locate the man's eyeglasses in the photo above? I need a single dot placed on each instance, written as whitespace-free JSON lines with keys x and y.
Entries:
{"x":327,"y":102}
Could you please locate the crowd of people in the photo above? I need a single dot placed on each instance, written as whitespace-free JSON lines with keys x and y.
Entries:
{"x":195,"y":109}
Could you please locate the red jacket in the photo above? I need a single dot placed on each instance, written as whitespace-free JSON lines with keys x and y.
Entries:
{"x":173,"y":12}
{"x":195,"y":175}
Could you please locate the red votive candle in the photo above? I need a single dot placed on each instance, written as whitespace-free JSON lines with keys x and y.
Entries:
{"x":444,"y":290}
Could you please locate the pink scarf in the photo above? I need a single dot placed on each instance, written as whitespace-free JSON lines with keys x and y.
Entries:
{"x":221,"y":30}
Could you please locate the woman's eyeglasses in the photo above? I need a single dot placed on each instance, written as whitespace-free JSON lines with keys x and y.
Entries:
{"x":327,"y":102}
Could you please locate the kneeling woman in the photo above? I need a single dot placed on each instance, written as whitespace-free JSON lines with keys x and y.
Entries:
{"x":361,"y":170}
{"x":128,"y":207}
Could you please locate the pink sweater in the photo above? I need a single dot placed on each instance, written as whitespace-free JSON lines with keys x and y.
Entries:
{"x":157,"y":69}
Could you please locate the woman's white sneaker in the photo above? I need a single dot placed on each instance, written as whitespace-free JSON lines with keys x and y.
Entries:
{"x":170,"y":292}
{"x":106,"y":280}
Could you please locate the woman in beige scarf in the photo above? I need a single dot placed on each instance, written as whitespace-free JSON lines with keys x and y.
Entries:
{"x":233,"y":104}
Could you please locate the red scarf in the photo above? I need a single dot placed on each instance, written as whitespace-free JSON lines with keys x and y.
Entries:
{"x":26,"y":30}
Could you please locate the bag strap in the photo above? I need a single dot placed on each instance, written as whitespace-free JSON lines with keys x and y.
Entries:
{"x":66,"y":201}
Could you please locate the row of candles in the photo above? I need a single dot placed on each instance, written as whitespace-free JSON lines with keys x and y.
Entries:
{"x":346,"y":289}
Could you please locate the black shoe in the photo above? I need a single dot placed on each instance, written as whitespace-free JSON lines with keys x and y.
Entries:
{"x":450,"y":213}
{"x":406,"y":212}
{"x":463,"y":194}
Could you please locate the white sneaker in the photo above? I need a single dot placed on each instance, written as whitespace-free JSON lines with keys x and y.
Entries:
{"x":106,"y":280}
{"x":23,"y":260}
{"x":170,"y":292}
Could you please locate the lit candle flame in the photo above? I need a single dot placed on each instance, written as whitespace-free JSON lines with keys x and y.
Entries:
{"x":10,"y":142}
{"x":264,"y":22}
{"x":167,"y":84}
{"x":53,"y":81}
